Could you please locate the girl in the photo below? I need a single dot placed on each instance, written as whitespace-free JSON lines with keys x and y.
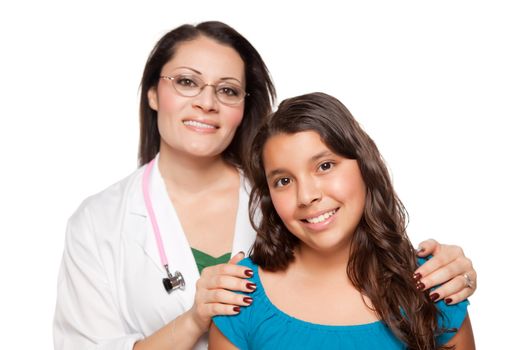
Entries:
{"x":331,"y":260}
{"x":205,"y":90}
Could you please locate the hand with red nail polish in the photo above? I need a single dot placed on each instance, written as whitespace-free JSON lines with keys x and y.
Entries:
{"x":448,"y":269}
{"x":215,"y":294}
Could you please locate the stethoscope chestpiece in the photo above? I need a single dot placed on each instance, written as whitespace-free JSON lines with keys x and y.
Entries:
{"x":173,"y":282}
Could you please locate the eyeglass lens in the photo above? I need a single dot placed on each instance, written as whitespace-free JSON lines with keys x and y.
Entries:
{"x":190,"y":85}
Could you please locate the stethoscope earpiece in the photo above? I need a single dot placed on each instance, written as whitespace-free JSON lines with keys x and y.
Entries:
{"x":173,"y":282}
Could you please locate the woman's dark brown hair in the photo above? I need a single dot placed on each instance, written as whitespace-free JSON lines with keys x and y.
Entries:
{"x":381,"y":257}
{"x":259,"y":86}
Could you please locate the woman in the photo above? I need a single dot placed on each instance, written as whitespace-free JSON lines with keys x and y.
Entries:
{"x":205,"y":90}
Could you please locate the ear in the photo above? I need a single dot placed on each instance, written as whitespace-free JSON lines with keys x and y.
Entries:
{"x":152,"y":98}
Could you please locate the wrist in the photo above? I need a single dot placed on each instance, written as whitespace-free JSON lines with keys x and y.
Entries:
{"x":192,"y":324}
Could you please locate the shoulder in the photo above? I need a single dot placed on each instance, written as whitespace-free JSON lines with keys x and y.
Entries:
{"x":450,"y":319}
{"x":104,"y":210}
{"x":248,"y":262}
{"x":255,"y":278}
{"x":236,"y":328}
{"x":112,"y":197}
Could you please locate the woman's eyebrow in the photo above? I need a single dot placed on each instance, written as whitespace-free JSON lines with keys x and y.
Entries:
{"x":200,"y":73}
{"x":192,"y":69}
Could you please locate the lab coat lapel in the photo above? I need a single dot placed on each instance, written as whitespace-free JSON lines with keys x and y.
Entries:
{"x":176,"y":247}
{"x":178,"y":251}
{"x":142,"y":229}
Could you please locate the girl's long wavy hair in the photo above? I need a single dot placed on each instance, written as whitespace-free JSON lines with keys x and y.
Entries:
{"x":381,"y":258}
{"x":259,"y":86}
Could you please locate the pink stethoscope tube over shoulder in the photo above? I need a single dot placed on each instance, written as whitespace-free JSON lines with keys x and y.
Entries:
{"x":175,"y":281}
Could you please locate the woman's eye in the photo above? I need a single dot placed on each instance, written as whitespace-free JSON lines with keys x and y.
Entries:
{"x":227,"y":90}
{"x":186,"y":82}
{"x":282,"y":182}
{"x":326,"y":166}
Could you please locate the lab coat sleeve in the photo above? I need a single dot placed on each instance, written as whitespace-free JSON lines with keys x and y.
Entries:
{"x":87,"y":315}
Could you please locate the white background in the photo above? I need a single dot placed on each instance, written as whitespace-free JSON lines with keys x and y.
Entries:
{"x":440,"y":86}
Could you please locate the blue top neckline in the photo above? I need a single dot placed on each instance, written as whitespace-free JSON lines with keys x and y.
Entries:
{"x":262,"y":325}
{"x":263,"y":297}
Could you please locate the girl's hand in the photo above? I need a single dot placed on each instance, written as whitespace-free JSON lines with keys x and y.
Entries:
{"x":449,"y":267}
{"x":215,"y":291}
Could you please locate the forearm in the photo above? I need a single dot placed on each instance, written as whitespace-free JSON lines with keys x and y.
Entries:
{"x":212,"y":298}
{"x":181,"y":333}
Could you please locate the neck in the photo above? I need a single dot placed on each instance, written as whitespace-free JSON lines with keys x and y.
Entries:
{"x":318,"y":263}
{"x":193,"y":174}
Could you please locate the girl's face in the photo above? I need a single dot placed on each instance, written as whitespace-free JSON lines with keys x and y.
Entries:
{"x":199,"y":126}
{"x":319,"y":195}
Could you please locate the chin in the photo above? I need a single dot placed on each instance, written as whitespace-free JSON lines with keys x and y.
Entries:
{"x":202,"y":151}
{"x":324,"y":248}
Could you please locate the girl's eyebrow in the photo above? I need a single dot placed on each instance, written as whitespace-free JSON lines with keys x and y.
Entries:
{"x":320,"y":155}
{"x":313,"y":159}
{"x":274,"y":173}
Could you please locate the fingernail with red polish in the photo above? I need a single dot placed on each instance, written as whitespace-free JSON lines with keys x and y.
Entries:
{"x":420,"y":286}
{"x":248,"y":273}
{"x":251,"y":286}
{"x":434,"y":296}
{"x":247,"y":300}
{"x":417,"y":276}
{"x":448,"y":300}
{"x":236,"y":309}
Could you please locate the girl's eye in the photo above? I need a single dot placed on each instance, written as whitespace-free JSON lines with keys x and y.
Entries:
{"x":326,"y":166}
{"x":282,"y":182}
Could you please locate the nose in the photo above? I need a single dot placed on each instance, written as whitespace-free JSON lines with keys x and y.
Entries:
{"x":206,"y":99}
{"x":308,"y":192}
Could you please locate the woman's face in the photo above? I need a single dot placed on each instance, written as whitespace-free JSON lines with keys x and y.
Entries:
{"x":319,"y":195}
{"x":199,"y":126}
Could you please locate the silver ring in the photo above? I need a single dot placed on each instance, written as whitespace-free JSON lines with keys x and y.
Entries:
{"x":468,"y":281}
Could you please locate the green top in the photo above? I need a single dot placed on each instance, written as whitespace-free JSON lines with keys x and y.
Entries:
{"x":204,"y":260}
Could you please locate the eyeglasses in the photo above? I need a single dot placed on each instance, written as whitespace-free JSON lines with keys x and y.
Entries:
{"x":189,"y":85}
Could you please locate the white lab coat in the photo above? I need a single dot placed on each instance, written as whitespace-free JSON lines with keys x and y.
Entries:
{"x":110,"y":291}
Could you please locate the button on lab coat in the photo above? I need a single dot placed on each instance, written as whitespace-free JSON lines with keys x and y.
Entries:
{"x":110,"y":291}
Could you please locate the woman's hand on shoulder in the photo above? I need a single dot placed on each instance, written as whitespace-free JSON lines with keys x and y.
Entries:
{"x":215,"y":294}
{"x":449,"y":267}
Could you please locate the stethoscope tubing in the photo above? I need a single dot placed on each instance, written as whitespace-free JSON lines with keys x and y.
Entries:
{"x":151,"y":212}
{"x":173,"y":281}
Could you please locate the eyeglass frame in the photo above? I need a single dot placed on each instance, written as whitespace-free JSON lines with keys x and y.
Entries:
{"x":172,"y":79}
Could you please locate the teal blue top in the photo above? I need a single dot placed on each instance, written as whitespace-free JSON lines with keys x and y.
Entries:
{"x":263,"y":326}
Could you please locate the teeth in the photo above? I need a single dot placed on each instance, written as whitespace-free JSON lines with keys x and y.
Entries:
{"x":198,"y":124}
{"x":320,"y":218}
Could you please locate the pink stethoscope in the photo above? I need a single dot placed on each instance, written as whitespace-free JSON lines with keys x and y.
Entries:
{"x":175,"y":281}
